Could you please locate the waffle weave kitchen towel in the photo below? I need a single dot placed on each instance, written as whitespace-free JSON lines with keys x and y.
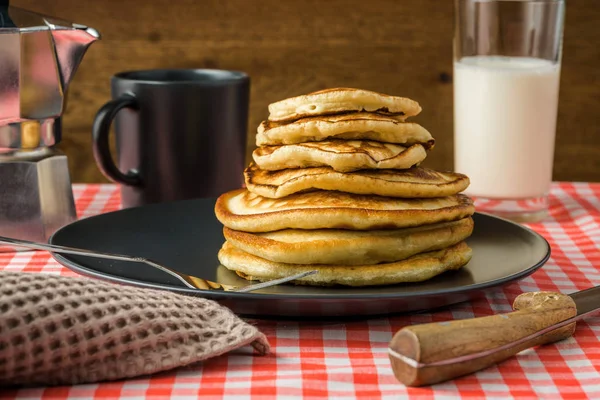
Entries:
{"x":57,"y":330}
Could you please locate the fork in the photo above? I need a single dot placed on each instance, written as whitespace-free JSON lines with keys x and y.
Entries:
{"x":188,"y":280}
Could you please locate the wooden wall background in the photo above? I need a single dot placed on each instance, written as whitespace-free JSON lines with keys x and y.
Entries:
{"x":290,"y":47}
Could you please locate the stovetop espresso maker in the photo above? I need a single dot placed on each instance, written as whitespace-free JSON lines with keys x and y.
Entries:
{"x":38,"y":58}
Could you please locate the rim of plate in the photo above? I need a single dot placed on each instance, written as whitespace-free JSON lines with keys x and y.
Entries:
{"x":83,"y":270}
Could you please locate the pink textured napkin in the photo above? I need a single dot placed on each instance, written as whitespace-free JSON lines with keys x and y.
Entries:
{"x":56,"y":330}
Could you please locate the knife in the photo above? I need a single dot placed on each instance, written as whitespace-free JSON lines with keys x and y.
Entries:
{"x":435,"y":352}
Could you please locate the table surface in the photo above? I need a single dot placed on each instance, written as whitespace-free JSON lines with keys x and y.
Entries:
{"x":350,"y":360}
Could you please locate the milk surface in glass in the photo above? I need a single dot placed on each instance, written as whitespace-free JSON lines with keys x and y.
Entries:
{"x":505,"y":124}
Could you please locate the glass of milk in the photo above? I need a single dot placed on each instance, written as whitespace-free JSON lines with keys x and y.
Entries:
{"x":507,"y":56}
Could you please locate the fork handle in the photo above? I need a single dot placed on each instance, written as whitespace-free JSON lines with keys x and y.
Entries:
{"x":435,"y":352}
{"x":67,"y":250}
{"x":189,"y":281}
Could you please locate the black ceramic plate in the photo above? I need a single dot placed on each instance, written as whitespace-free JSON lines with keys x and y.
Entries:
{"x":186,"y":236}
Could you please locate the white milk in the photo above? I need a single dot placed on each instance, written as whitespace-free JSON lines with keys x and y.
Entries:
{"x":504,"y":124}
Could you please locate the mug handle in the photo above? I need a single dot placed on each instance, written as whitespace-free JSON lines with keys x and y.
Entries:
{"x":100,"y":132}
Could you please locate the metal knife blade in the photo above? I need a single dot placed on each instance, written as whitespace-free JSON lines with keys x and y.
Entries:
{"x":587,"y":301}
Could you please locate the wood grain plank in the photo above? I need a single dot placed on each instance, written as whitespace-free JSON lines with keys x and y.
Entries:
{"x":245,"y":21}
{"x":292,"y":47}
{"x":289,"y":72}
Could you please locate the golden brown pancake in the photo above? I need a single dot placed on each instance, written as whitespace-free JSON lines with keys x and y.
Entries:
{"x":417,"y":268}
{"x":357,"y":126}
{"x":342,"y":100}
{"x":409,"y":183}
{"x":242,"y":210}
{"x":345,"y":247}
{"x":341,"y":155}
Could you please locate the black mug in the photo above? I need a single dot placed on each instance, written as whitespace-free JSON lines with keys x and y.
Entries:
{"x":180,"y":134}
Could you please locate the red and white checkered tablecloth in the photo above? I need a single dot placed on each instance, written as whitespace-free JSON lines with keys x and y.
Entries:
{"x":350,"y":360}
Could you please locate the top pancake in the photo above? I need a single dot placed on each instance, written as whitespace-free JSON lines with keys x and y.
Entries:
{"x":245,"y":211}
{"x":355,"y":126}
{"x":342,"y":100}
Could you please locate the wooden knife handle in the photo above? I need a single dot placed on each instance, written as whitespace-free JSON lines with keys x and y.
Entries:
{"x":413,"y":347}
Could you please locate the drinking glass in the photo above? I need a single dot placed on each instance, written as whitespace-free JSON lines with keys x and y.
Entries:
{"x":507,"y":56}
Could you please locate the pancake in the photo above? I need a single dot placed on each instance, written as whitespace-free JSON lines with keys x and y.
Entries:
{"x":409,"y":183}
{"x":242,"y":210}
{"x":341,"y":155}
{"x":342,"y":100}
{"x":331,"y":246}
{"x":417,"y":268}
{"x":357,"y":126}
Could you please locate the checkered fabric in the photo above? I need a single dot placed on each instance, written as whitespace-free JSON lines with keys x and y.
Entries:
{"x":350,"y":360}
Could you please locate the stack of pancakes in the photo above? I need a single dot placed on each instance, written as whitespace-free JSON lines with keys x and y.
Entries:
{"x":335,"y":187}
